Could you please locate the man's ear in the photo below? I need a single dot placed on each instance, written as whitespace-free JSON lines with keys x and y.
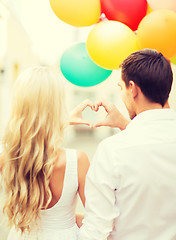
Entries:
{"x":134,"y":89}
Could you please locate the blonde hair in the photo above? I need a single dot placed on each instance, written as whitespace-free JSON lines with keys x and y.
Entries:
{"x":32,"y":141}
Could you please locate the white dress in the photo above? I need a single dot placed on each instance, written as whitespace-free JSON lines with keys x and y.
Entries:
{"x":58,"y":222}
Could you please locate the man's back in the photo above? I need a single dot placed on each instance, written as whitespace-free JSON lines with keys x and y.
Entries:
{"x":146,"y":192}
{"x":138,"y":167}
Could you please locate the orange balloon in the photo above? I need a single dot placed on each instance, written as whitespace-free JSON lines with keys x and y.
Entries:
{"x":157,"y":30}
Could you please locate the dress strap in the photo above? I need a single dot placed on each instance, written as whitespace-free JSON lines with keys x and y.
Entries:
{"x":71,"y":176}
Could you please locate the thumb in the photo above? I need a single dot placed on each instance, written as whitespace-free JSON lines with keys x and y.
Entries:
{"x":85,"y":122}
{"x":99,"y":124}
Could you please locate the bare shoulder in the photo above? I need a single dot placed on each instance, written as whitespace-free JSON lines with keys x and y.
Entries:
{"x":60,"y":164}
{"x":82,"y":159}
{"x":83,"y":165}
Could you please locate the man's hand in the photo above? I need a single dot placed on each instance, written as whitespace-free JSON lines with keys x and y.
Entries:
{"x":76,"y":115}
{"x":113,"y":118}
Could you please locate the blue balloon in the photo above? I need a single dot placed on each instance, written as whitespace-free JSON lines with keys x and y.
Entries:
{"x":79,"y":69}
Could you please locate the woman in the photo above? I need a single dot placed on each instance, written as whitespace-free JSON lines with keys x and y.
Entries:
{"x":41,"y":178}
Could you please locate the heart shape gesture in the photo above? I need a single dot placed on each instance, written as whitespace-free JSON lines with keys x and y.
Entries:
{"x":113,"y":118}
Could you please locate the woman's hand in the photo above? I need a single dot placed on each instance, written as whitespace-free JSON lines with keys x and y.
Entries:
{"x":76,"y":115}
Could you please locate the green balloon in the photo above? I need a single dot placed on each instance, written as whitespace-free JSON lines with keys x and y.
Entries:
{"x":173,"y":60}
{"x":78,"y":68}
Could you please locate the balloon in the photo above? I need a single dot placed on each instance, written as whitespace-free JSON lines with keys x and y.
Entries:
{"x":109,"y":43}
{"x":129,"y":12}
{"x":162,"y":4}
{"x":79,"y":69}
{"x":77,"y":13}
{"x":173,"y":60}
{"x":157,"y":30}
{"x":149,"y":10}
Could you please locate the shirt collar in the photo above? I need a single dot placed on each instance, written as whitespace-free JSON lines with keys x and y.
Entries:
{"x":153,"y":115}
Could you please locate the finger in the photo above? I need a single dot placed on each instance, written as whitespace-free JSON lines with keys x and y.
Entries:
{"x":84,"y":122}
{"x":95,"y":107}
{"x":86,"y":103}
{"x":91,"y":126}
{"x":104,"y":103}
{"x":99,"y":124}
{"x":97,"y":104}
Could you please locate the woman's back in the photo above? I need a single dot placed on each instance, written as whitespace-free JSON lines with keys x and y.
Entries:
{"x":58,"y":221}
{"x":37,"y":173}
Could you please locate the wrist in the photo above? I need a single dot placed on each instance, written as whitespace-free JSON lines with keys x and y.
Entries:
{"x":124,"y":124}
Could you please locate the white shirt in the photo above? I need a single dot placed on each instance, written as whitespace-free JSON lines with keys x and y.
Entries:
{"x":131,"y":183}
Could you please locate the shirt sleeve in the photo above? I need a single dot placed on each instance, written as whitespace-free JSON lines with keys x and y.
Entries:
{"x":100,"y":207}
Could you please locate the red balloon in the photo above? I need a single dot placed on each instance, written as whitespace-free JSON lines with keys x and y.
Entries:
{"x":129,"y":12}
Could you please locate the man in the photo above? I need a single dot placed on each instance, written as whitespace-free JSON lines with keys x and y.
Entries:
{"x":131,"y":183}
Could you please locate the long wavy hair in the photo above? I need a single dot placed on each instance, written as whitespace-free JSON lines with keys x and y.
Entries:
{"x":32,"y":141}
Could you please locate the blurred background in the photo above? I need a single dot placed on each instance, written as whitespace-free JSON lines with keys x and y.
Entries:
{"x":31,"y":34}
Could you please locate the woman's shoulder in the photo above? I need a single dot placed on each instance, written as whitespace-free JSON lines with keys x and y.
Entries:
{"x":60,"y":161}
{"x":80,"y":155}
{"x":83,"y":162}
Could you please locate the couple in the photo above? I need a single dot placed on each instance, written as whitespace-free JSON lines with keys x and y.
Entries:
{"x":129,"y":192}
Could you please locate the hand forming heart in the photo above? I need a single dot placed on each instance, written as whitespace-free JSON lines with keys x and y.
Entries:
{"x":113,"y":118}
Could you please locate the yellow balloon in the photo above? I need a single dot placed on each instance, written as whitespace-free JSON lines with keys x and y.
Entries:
{"x":157,"y":30}
{"x":149,"y":10}
{"x":78,"y":13}
{"x":110,"y":42}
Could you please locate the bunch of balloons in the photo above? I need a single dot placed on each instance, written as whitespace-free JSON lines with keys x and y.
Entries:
{"x":127,"y":27}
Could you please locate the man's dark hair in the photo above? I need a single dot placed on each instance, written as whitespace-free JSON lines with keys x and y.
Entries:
{"x":151,"y":71}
